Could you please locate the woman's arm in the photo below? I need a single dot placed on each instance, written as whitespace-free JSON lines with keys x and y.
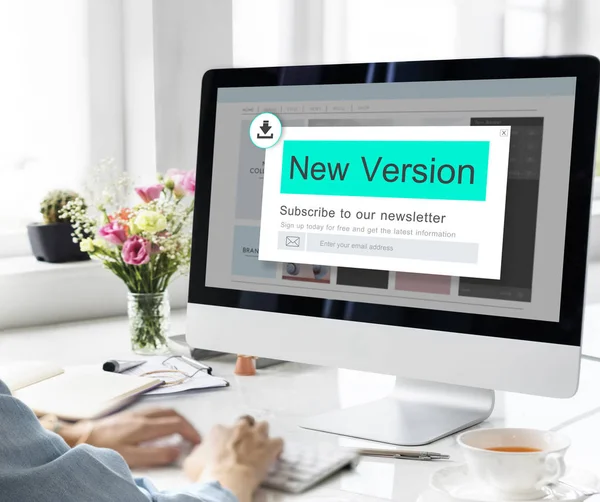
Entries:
{"x":71,"y":433}
{"x":37,"y":465}
{"x":128,"y":433}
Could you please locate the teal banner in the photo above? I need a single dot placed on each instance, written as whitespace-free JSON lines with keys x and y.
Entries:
{"x":443,"y":170}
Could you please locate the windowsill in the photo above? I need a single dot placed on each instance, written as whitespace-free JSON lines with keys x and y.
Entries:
{"x":38,"y":293}
{"x":14,"y":243}
{"x":28,"y":264}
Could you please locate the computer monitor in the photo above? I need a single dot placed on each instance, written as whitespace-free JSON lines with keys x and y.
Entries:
{"x":426,"y":219}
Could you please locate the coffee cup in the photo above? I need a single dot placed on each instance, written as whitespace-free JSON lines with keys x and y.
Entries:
{"x":515,"y":464}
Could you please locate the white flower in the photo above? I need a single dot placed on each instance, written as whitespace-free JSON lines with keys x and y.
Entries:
{"x":87,"y":245}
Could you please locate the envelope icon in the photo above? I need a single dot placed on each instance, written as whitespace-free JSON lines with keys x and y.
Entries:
{"x":292,"y":241}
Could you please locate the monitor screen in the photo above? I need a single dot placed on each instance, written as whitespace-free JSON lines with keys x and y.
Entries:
{"x":333,"y":212}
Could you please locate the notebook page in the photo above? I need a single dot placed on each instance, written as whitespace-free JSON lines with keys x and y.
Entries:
{"x":82,"y":393}
{"x":20,"y":375}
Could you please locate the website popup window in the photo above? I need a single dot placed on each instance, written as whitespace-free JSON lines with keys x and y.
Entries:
{"x":424,"y":195}
{"x":406,"y":199}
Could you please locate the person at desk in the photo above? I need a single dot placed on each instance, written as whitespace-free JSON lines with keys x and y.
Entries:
{"x":37,"y":465}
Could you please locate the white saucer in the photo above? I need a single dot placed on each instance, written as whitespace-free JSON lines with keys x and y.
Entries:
{"x":454,"y":483}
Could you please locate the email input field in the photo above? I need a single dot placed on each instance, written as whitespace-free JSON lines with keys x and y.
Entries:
{"x":411,"y":249}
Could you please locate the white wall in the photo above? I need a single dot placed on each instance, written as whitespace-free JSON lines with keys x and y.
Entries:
{"x":139,"y":118}
{"x":265,"y":32}
{"x":190,"y":37}
{"x":588,"y":34}
{"x":168,"y":46}
{"x":105,"y":61}
{"x":480,"y":28}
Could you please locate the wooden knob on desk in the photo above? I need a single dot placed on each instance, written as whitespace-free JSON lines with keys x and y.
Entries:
{"x":244,"y":366}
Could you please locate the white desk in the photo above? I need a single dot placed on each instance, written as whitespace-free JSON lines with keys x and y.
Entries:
{"x":285,"y":393}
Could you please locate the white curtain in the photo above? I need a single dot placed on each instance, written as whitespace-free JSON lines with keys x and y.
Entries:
{"x":44,"y":126}
{"x":274,"y":32}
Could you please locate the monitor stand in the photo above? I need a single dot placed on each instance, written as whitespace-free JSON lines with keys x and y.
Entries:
{"x":416,"y":413}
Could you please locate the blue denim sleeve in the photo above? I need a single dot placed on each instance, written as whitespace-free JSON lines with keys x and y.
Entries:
{"x":38,"y":466}
{"x":206,"y":492}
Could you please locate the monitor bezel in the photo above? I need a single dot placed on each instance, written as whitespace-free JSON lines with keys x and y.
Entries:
{"x":567,"y":331}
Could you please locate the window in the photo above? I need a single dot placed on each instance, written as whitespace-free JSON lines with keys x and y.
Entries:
{"x":317,"y":31}
{"x":261,"y":36}
{"x":60,"y":100}
{"x":43,"y":124}
{"x":537,"y":27}
{"x":380,"y":30}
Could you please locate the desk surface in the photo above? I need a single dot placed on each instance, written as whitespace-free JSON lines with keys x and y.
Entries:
{"x":285,"y":393}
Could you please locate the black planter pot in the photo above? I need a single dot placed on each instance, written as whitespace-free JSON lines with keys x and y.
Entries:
{"x":53,"y":243}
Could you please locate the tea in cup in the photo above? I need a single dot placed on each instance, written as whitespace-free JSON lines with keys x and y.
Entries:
{"x":516,"y":464}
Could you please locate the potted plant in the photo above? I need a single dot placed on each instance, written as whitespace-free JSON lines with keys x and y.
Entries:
{"x":52,"y":240}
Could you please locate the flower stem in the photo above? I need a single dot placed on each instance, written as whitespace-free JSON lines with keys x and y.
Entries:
{"x":148,"y":321}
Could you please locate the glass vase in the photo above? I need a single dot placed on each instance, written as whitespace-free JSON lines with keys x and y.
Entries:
{"x":149,"y":322}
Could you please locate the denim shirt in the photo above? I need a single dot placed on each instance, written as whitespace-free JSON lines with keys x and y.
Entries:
{"x":38,"y":466}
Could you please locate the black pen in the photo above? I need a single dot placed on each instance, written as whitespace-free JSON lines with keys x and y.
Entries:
{"x":117,"y":366}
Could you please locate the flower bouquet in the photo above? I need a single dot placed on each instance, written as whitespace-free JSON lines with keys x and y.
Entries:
{"x":146,"y":245}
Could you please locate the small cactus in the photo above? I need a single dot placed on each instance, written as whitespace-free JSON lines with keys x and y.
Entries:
{"x":54,"y":202}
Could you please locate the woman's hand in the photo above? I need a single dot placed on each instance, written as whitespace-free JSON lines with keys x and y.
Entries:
{"x":127,"y":431}
{"x":239,"y":457}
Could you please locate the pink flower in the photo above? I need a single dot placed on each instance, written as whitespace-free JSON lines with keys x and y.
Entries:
{"x":136,"y":251}
{"x":114,"y":232}
{"x":189,"y":182}
{"x":176,"y":176}
{"x":149,"y":193}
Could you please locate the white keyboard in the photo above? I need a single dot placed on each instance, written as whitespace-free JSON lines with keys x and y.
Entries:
{"x":301,"y":466}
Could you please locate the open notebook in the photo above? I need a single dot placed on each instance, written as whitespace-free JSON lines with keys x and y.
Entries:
{"x":73,"y":393}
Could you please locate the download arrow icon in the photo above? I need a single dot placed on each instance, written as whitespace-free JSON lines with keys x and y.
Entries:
{"x":265,"y":128}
